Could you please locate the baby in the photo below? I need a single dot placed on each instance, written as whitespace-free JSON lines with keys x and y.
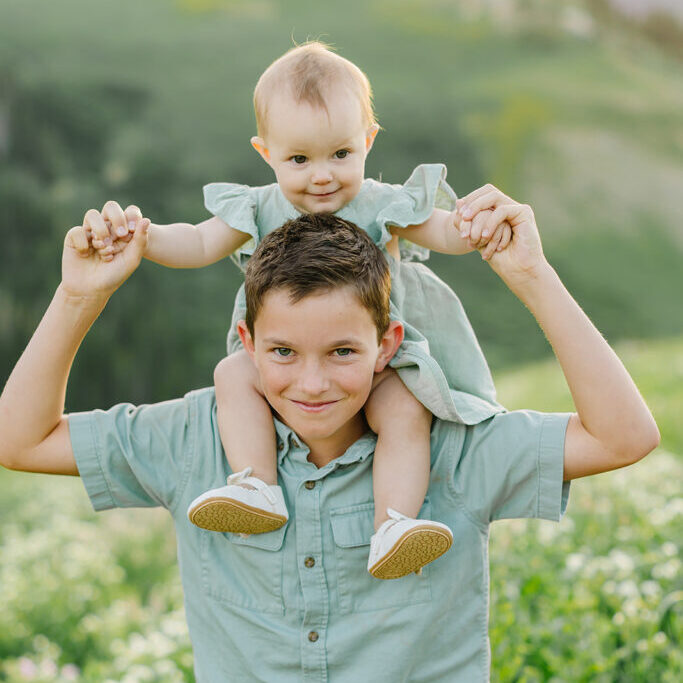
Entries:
{"x":316,"y":126}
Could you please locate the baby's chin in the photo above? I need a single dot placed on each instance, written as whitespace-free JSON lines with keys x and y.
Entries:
{"x":327,"y":204}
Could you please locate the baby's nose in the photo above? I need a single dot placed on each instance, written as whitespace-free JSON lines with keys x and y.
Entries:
{"x":321,"y":175}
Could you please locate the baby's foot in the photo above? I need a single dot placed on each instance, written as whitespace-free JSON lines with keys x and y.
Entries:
{"x":247,"y":505}
{"x":403,"y":545}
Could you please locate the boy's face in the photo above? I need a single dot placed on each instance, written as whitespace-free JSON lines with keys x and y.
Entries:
{"x":316,"y":360}
{"x":318,"y":156}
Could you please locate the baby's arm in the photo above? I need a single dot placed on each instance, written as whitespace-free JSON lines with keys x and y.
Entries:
{"x":182,"y":245}
{"x":448,"y":233}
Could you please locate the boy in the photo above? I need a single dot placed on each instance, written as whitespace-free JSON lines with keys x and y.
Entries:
{"x":284,"y":606}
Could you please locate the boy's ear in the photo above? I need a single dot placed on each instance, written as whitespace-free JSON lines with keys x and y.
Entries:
{"x":370,"y":136}
{"x":245,"y":337}
{"x":389,"y":344}
{"x":259,"y":144}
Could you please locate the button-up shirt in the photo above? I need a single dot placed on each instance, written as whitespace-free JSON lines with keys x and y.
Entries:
{"x":298,"y":604}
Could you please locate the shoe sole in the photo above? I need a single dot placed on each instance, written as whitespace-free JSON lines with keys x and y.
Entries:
{"x":412,"y":551}
{"x":217,"y":514}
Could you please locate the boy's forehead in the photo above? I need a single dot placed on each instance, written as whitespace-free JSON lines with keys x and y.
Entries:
{"x":334,"y":309}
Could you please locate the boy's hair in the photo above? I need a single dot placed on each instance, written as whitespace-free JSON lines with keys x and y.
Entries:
{"x":315,"y":253}
{"x":307,"y":72}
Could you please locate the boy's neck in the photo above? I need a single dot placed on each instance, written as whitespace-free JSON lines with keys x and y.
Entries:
{"x":324,"y":451}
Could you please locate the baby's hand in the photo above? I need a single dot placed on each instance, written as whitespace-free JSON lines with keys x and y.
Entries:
{"x":113,"y":229}
{"x":483,"y":237}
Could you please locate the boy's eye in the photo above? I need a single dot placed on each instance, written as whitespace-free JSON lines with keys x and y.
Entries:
{"x":283,"y":351}
{"x":299,"y":159}
{"x":343,"y":352}
{"x":341,"y":153}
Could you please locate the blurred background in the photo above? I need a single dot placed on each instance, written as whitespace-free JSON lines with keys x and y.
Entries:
{"x":575,"y":108}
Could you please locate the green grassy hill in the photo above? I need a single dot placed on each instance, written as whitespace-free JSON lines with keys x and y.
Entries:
{"x":560,"y":106}
{"x":596,"y":598}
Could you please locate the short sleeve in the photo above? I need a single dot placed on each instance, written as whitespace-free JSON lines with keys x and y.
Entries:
{"x":135,"y":456}
{"x":413,"y":204}
{"x":237,"y":206}
{"x":512,"y":466}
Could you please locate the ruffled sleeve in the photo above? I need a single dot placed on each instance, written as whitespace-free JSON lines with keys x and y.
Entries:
{"x":237,"y":205}
{"x":413,"y":203}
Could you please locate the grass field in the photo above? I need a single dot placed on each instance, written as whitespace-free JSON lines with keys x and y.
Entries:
{"x":597,"y":598}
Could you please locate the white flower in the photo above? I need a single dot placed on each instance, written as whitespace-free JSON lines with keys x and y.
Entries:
{"x":628,"y":589}
{"x":667,"y":570}
{"x":575,"y":561}
{"x":630,"y":608}
{"x":70,"y":672}
{"x":650,"y":588}
{"x":669,"y":549}
{"x":659,"y":638}
{"x":622,"y":561}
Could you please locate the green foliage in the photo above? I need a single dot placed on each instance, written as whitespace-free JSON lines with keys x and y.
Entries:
{"x":656,"y":367}
{"x":583,"y":129}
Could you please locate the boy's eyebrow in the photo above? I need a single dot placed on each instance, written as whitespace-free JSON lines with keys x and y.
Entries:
{"x":274,"y":341}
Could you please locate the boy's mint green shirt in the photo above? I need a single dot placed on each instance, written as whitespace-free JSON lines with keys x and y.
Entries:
{"x":298,"y":604}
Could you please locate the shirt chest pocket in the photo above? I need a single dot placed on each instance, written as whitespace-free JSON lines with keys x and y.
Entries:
{"x":358,"y":590}
{"x":246,"y":572}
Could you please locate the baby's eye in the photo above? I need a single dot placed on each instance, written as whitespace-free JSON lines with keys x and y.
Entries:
{"x":299,"y":159}
{"x":341,"y":153}
{"x":343,"y":352}
{"x":283,"y":351}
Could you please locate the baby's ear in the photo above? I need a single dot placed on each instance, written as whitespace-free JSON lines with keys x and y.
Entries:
{"x":259,"y":144}
{"x":370,"y":136}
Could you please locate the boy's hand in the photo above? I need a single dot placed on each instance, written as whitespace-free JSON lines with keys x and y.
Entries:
{"x":112,"y":228}
{"x":482,"y":237}
{"x":85,"y":274}
{"x":523,"y":260}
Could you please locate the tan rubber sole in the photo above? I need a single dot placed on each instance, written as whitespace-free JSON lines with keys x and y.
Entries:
{"x":217,"y":514}
{"x":412,"y":551}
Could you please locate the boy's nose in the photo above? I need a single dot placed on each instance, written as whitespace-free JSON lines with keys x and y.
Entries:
{"x":312,"y":381}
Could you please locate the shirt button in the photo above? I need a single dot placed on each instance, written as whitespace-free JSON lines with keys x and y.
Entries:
{"x":280,"y":446}
{"x":309,"y":562}
{"x":310,"y":485}
{"x":313,"y":636}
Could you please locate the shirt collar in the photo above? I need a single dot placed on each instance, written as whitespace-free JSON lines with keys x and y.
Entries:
{"x":359,"y":451}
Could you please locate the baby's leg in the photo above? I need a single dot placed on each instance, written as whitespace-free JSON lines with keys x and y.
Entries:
{"x":244,"y":418}
{"x":246,"y":504}
{"x":401,"y":462}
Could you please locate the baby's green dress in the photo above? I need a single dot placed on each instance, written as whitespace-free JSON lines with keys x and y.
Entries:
{"x":440,"y":360}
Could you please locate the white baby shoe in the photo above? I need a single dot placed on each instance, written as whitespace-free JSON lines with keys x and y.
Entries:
{"x":403,"y":545}
{"x":239,"y":509}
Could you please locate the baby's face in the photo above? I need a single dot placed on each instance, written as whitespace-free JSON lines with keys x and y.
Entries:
{"x":318,"y":156}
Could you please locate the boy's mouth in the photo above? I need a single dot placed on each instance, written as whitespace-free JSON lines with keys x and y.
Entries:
{"x":313,"y":406}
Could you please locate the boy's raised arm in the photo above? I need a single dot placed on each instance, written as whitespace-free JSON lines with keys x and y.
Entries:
{"x":34,"y":433}
{"x":612,"y":426}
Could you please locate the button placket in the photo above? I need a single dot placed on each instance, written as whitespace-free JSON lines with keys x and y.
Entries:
{"x":312,"y":579}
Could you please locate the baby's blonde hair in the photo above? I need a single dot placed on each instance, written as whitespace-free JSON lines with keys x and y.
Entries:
{"x":307,"y":72}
